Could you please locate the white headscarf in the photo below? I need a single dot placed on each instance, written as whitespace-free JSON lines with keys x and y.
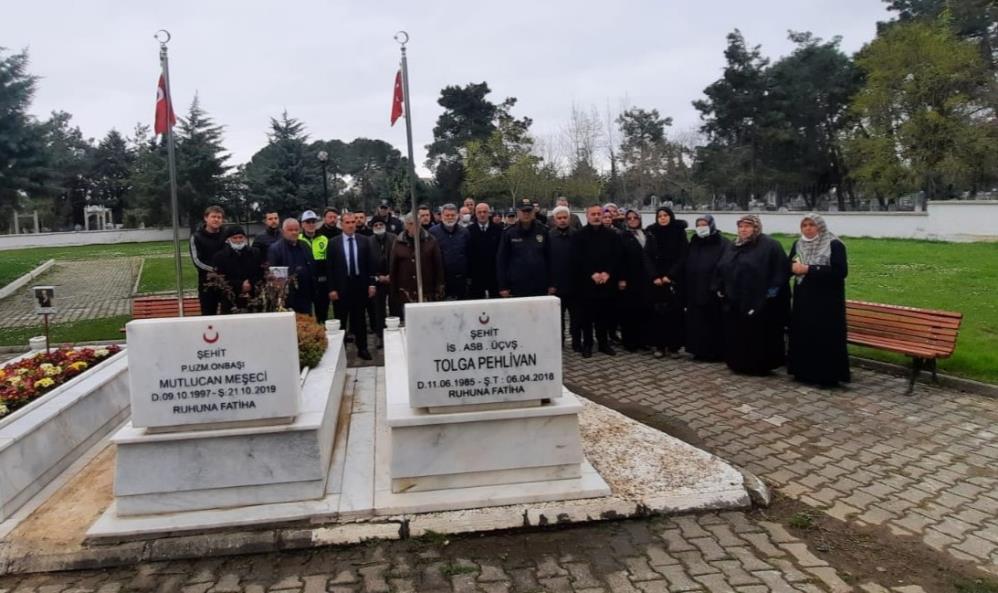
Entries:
{"x":817,"y":251}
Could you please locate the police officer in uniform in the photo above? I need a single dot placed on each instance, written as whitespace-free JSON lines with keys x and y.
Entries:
{"x":523,"y":265}
{"x":317,"y":244}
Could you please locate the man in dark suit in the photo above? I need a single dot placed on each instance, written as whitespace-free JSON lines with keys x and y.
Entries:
{"x":352,"y":265}
{"x":483,"y":246}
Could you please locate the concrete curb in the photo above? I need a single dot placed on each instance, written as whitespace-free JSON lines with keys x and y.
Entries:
{"x":23,"y":281}
{"x":9,"y":349}
{"x":965,"y":385}
{"x":138,"y":277}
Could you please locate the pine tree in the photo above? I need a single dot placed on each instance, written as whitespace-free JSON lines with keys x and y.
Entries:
{"x":23,"y":167}
{"x":279,"y":176}
{"x":111,"y":174}
{"x":201,"y":163}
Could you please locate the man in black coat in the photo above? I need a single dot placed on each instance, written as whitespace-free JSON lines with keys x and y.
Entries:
{"x":330,"y":223}
{"x":562,"y":239}
{"x":205,"y":243}
{"x":383,"y":241}
{"x":483,"y":247}
{"x":453,"y":241}
{"x":523,"y":266}
{"x":353,"y":263}
{"x":296,"y":256}
{"x":270,"y":235}
{"x":239,"y":268}
{"x":597,"y":254}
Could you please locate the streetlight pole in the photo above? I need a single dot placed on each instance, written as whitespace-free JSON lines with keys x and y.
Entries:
{"x":323,"y":156}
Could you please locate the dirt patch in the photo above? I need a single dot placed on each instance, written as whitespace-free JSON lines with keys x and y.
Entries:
{"x":60,"y":523}
{"x":862,"y":554}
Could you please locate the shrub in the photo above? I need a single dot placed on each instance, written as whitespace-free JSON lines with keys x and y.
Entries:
{"x":312,"y":341}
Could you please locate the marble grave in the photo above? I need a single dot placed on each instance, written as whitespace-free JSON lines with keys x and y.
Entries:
{"x":223,"y":418}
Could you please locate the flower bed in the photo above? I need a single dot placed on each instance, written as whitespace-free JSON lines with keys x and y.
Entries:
{"x":29,"y":378}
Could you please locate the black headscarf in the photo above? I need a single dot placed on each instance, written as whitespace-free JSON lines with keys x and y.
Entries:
{"x":670,"y":243}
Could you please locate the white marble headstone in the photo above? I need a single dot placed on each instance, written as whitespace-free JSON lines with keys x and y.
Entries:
{"x":208,"y":370}
{"x":483,"y":352}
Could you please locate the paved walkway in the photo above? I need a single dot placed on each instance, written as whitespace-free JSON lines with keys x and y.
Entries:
{"x":88,"y":289}
{"x":925,"y":465}
{"x":723,"y":552}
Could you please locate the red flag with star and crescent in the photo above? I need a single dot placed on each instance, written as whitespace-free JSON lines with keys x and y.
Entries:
{"x":165,"y":118}
{"x":397,"y":99}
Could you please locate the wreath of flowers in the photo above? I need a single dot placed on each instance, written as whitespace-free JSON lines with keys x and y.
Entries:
{"x":28,"y":379}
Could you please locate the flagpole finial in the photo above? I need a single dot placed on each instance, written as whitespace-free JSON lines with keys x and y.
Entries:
{"x":402,"y":38}
{"x":163,"y":37}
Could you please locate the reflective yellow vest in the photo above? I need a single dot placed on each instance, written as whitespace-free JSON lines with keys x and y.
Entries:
{"x":319,"y":244}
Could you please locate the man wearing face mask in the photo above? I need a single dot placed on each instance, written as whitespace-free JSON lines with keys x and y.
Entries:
{"x":382,"y":241}
{"x":483,"y":246}
{"x":453,"y":241}
{"x":239,"y":268}
{"x":465,"y":216}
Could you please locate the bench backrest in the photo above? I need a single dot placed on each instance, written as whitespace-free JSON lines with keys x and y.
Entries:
{"x":156,"y":307}
{"x":925,"y":328}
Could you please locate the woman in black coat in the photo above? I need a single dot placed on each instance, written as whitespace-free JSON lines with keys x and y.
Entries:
{"x":635,"y":303}
{"x":752,"y":282}
{"x":704,"y":330}
{"x":817,"y":351}
{"x":668,"y":258}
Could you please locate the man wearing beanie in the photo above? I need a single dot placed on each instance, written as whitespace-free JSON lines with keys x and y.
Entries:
{"x":239,"y":269}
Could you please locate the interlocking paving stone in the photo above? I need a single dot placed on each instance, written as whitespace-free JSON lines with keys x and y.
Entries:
{"x":867,"y":454}
{"x":84,"y":290}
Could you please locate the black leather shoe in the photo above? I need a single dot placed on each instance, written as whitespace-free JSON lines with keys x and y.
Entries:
{"x":364,"y":354}
{"x":587,"y":353}
{"x":608,"y":350}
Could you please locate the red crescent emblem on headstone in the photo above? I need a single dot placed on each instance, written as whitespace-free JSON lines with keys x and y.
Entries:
{"x":210,"y":340}
{"x":483,"y":319}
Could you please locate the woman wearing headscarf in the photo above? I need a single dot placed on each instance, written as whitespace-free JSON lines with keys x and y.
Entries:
{"x":704,"y":330}
{"x":817,"y":351}
{"x":668,"y":257}
{"x":635,"y":304}
{"x":752,"y":283}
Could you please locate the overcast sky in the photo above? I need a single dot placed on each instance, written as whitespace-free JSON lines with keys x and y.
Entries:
{"x":332,"y":64}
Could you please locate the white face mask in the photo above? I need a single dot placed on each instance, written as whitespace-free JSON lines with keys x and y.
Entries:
{"x":237,"y":246}
{"x":703,"y":231}
{"x":465,"y":218}
{"x":379,"y":231}
{"x":806,"y":240}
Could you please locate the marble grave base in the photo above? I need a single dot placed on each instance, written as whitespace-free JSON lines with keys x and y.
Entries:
{"x":235,"y":467}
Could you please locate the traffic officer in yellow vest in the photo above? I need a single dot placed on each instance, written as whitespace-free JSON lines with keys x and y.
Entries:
{"x":318,"y":243}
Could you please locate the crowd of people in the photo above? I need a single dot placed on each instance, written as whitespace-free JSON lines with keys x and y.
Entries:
{"x":744,"y":301}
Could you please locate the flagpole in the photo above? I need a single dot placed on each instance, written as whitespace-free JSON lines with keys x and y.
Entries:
{"x":403,"y":38}
{"x":163,"y":36}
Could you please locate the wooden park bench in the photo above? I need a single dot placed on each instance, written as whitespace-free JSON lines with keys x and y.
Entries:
{"x":923,"y":334}
{"x":154,"y":307}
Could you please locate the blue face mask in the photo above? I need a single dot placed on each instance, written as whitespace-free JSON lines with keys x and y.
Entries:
{"x":703,"y":231}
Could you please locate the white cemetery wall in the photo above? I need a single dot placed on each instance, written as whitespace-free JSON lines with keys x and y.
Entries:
{"x":483,"y":352}
{"x":208,"y":370}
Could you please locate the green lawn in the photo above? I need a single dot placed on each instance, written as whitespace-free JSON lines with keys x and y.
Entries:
{"x":89,"y":330}
{"x":159,"y":274}
{"x":17,"y":262}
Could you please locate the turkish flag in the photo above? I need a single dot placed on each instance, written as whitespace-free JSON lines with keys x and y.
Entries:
{"x":165,"y":119}
{"x":397,"y":99}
